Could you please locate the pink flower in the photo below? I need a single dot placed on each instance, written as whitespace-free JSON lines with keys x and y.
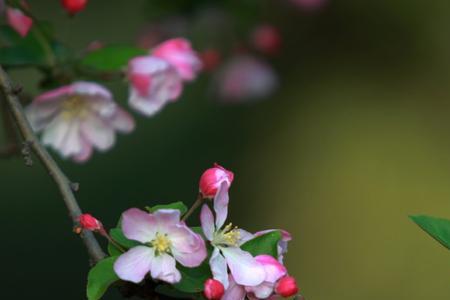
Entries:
{"x":165,"y":240}
{"x":212,"y":178}
{"x":90,"y":223}
{"x":77,"y":118}
{"x":20,"y":22}
{"x":273,"y":269}
{"x":154,"y":83}
{"x":213,"y":289}
{"x":246,"y":78}
{"x":287,"y":286}
{"x":179,"y":53}
{"x":246,"y":270}
{"x":267,"y":39}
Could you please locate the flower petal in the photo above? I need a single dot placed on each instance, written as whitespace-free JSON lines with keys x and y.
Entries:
{"x":219,"y":267}
{"x":138,"y":225}
{"x":221,"y":204}
{"x":98,"y":132}
{"x":207,"y":221}
{"x":234,"y":291}
{"x":122,"y":121}
{"x":165,"y":218}
{"x":134,"y":264}
{"x":64,"y":136}
{"x":40,"y":115}
{"x":274,"y":269}
{"x":163,"y":267}
{"x":244,"y":268}
{"x":188,"y":248}
{"x":262,"y":291}
{"x":86,"y":151}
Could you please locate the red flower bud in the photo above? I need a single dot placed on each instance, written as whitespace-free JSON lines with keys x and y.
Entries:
{"x":287,"y":286}
{"x":88,"y":222}
{"x":210,"y":58}
{"x":212,"y":178}
{"x":74,"y":6}
{"x":267,"y":39}
{"x":213,"y":289}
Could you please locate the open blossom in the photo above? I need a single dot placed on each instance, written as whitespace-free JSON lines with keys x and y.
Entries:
{"x":274,"y":271}
{"x":246,"y":78}
{"x":212,"y":178}
{"x":165,"y":240}
{"x":179,"y":53}
{"x":245,"y":269}
{"x":154,"y":83}
{"x":77,"y":118}
{"x":20,"y":22}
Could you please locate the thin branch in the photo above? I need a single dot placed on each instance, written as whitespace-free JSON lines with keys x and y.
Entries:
{"x":194,"y":206}
{"x":64,"y":185}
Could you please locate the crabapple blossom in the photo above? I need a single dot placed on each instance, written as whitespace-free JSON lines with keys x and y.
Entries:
{"x":179,"y":53}
{"x":88,"y":222}
{"x":164,"y":240}
{"x":212,"y":178}
{"x":74,"y":6}
{"x":246,"y":78}
{"x":287,"y":286}
{"x":246,"y":270}
{"x":77,"y":118}
{"x":154,"y":83}
{"x":20,"y":22}
{"x":213,"y":289}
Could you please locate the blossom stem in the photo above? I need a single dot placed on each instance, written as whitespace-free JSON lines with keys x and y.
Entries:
{"x":60,"y":179}
{"x":194,"y":206}
{"x":104,"y":233}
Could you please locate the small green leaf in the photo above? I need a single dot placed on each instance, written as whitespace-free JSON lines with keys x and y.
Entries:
{"x":437,"y":228}
{"x":100,"y":277}
{"x":264,"y":244}
{"x":118,"y":236}
{"x":193,"y":279}
{"x":113,"y":251}
{"x":176,"y":205}
{"x":111,"y":58}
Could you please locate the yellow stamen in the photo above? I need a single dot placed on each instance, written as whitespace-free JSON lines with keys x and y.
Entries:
{"x":74,"y":106}
{"x":161,"y":243}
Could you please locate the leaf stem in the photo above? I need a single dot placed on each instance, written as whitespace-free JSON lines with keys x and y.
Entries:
{"x":60,"y":179}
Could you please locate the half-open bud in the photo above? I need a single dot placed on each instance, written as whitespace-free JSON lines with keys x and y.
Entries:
{"x":88,"y":222}
{"x":287,"y":286}
{"x":212,"y":178}
{"x":213,"y":289}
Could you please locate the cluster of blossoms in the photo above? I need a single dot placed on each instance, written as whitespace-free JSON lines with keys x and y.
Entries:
{"x":82,"y":116}
{"x":165,"y":243}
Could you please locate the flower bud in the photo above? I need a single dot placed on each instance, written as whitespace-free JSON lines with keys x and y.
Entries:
{"x":212,"y":178}
{"x":90,"y":223}
{"x":213,"y":289}
{"x":267,"y":39}
{"x":287,"y":286}
{"x":74,"y":6}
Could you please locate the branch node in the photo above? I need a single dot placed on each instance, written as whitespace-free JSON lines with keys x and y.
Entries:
{"x":17,"y":89}
{"x":26,"y":153}
{"x":75,"y":186}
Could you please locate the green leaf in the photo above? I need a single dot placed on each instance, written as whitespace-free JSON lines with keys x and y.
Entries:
{"x":100,"y":277}
{"x":113,"y":251}
{"x":112,"y":58}
{"x":118,"y":236}
{"x":176,"y":205}
{"x":264,"y":244}
{"x":437,"y":228}
{"x":193,"y":279}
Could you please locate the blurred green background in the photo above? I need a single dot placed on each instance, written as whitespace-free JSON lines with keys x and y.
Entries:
{"x":356,"y":139}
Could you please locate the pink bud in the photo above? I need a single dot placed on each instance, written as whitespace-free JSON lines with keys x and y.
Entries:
{"x":212,"y":178}
{"x":90,"y":223}
{"x":210,"y":58}
{"x":287,"y":286}
{"x":267,"y":39}
{"x":74,"y":6}
{"x":20,"y":22}
{"x":213,"y":289}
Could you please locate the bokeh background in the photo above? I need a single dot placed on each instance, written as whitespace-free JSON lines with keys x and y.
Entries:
{"x":356,"y":139}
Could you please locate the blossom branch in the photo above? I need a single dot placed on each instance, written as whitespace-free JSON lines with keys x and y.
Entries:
{"x":64,"y":185}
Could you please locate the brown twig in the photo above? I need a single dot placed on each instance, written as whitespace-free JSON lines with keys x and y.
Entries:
{"x":30,"y":139}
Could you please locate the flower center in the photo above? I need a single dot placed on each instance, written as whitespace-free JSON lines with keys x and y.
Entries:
{"x":74,"y":106}
{"x":228,"y":236}
{"x":161,"y":243}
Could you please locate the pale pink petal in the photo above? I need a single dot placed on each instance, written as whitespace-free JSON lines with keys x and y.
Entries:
{"x":163,"y":267}
{"x":40,"y":115}
{"x":91,"y":89}
{"x":244,"y":236}
{"x":207,"y":221}
{"x":138,"y":225}
{"x":262,"y":291}
{"x":166,"y":218}
{"x":234,"y":291}
{"x":64,"y":136}
{"x":98,"y":132}
{"x":274,"y":269}
{"x":86,"y":152}
{"x":58,"y":94}
{"x":219,"y":267}
{"x":188,"y":248}
{"x":20,"y":22}
{"x":244,"y":268}
{"x":123,"y":121}
{"x":221,"y":204}
{"x":134,"y":264}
